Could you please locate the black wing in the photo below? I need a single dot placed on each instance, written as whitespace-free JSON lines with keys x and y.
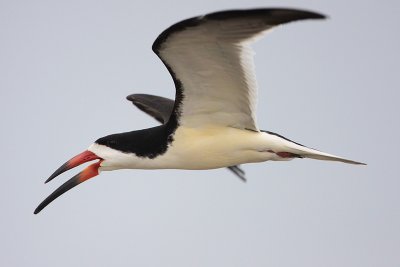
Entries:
{"x":158,"y":107}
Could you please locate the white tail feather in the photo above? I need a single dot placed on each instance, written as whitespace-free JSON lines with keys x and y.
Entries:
{"x":315,"y":154}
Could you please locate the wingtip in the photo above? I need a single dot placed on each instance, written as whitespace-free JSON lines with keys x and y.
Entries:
{"x":137,"y":97}
{"x":306,"y":14}
{"x":309,"y":14}
{"x":131,"y":97}
{"x":314,"y":15}
{"x":319,"y":15}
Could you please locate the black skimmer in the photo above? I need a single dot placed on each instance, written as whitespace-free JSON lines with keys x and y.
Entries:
{"x":213,"y":122}
{"x":160,"y":108}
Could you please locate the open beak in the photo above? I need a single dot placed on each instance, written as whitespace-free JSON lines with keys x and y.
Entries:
{"x":89,"y":172}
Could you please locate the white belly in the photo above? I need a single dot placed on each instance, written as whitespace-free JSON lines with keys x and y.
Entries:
{"x":197,"y":148}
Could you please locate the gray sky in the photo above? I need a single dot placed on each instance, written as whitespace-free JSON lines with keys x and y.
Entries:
{"x":66,"y":67}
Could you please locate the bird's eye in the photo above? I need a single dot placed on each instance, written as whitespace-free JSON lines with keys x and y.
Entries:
{"x":112,"y":142}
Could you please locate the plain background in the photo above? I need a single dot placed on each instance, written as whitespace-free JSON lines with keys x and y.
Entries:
{"x":66,"y":67}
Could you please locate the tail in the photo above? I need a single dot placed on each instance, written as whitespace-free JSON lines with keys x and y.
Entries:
{"x":305,"y":152}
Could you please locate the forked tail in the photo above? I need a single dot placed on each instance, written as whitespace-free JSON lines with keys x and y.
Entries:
{"x":305,"y":152}
{"x":315,"y":154}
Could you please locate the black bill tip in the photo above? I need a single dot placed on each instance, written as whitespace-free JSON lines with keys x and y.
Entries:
{"x":60,"y":170}
{"x":89,"y":172}
{"x":74,"y":181}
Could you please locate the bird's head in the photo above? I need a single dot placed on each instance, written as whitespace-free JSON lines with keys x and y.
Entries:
{"x":110,"y":153}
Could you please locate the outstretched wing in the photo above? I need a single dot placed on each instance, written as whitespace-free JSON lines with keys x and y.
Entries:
{"x":160,"y":108}
{"x":211,"y":62}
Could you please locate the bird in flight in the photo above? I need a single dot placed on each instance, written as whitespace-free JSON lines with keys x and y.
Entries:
{"x":212,"y":123}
